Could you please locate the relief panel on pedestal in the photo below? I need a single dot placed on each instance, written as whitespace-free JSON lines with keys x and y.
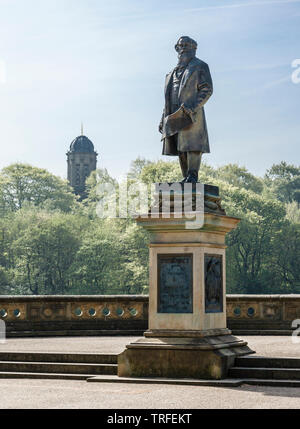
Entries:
{"x":213,"y":277}
{"x":175,"y":283}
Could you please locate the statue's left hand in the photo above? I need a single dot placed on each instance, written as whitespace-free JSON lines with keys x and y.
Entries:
{"x":187,"y":110}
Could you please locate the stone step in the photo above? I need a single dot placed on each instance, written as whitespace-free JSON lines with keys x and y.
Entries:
{"x":267,"y":362}
{"x":59,"y":357}
{"x":271,"y":332}
{"x":180,"y":381}
{"x":264,"y":373}
{"x":61,"y":368}
{"x":44,"y":375}
{"x":227,"y":382}
{"x":75,"y":333}
{"x":270,"y":382}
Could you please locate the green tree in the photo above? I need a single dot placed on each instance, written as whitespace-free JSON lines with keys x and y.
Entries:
{"x":22,"y":183}
{"x":96,"y":258}
{"x":285,"y":257}
{"x":250,"y":243}
{"x":239,"y":177}
{"x":283,"y":181}
{"x":45,"y":249}
{"x":136,"y":167}
{"x":161,"y":171}
{"x":112,"y":258}
{"x":293,"y":212}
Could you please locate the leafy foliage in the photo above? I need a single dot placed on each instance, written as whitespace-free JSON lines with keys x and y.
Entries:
{"x":21,"y":183}
{"x":52,"y":244}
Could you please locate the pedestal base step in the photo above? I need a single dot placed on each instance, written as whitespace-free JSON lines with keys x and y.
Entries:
{"x":196,"y":358}
{"x":228,"y":382}
{"x":186,"y":382}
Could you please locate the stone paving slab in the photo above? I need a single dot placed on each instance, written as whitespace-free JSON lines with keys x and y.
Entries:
{"x":67,"y":344}
{"x":273,"y":346}
{"x":63,"y":394}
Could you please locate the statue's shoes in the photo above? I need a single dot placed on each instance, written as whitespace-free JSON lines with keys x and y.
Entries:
{"x":191,"y":180}
{"x":192,"y":177}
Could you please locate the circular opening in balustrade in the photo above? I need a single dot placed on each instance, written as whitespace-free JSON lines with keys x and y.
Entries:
{"x":133,"y":311}
{"x":92,"y":312}
{"x":251,"y":311}
{"x":17,"y":312}
{"x":78,"y":312}
{"x":237,"y":311}
{"x":120,"y":312}
{"x":47,"y":312}
{"x":105,"y":312}
{"x":3,"y":312}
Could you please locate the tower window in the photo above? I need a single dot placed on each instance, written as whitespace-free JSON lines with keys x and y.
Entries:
{"x":86,"y":170}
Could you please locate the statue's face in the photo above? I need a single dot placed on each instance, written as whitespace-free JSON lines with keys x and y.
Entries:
{"x":184,"y":50}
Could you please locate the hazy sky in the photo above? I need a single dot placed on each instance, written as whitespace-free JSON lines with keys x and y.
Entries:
{"x":104,"y":63}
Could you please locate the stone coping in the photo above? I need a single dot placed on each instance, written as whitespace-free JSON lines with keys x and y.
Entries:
{"x":258,"y":297}
{"x":68,"y":298}
{"x":143,"y":298}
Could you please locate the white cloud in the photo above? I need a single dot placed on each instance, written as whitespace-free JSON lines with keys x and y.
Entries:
{"x":277,"y":82}
{"x":2,"y":72}
{"x":254,"y":67}
{"x":237,"y":5}
{"x":267,"y":85}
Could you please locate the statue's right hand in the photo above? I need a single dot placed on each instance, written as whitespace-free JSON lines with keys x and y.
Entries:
{"x":160,"y":128}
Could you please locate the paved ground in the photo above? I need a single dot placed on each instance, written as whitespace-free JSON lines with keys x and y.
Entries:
{"x":68,"y":344}
{"x":275,"y":346}
{"x":16,"y":394}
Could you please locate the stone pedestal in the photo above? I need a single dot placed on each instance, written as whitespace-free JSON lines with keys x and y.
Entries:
{"x":187,"y":335}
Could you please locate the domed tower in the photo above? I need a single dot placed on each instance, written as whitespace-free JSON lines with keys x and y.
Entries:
{"x":82,"y":160}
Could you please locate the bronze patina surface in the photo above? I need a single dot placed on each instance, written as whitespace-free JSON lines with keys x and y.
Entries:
{"x":183,"y":124}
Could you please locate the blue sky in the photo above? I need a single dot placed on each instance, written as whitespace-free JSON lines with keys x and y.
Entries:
{"x":104,"y":63}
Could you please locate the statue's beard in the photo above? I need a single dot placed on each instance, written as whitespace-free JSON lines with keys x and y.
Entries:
{"x":185,"y":57}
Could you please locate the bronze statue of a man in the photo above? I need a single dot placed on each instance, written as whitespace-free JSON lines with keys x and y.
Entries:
{"x":183,"y":124}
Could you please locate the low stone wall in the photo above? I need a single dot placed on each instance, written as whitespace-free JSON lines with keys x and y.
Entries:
{"x":128,"y":314}
{"x":74,"y":315}
{"x":261,"y":313}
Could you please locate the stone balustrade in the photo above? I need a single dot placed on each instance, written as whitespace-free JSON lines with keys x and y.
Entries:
{"x":128,"y":314}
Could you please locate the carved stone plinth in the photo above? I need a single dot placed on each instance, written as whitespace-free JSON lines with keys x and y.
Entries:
{"x":187,"y":335}
{"x":207,"y":357}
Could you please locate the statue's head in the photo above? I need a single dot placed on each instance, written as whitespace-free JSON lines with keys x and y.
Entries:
{"x":186,"y":48}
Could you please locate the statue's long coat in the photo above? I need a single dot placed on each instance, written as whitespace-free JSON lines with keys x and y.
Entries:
{"x":195,"y":89}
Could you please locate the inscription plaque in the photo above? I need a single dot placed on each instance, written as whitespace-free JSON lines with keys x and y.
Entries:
{"x":213,"y":272}
{"x":175,"y":283}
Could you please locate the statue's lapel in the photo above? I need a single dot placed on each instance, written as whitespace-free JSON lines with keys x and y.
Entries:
{"x":186,"y":75}
{"x":168,"y":81}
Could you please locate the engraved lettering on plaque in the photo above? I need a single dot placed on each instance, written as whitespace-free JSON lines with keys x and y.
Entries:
{"x":213,"y":272}
{"x":175,"y":283}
